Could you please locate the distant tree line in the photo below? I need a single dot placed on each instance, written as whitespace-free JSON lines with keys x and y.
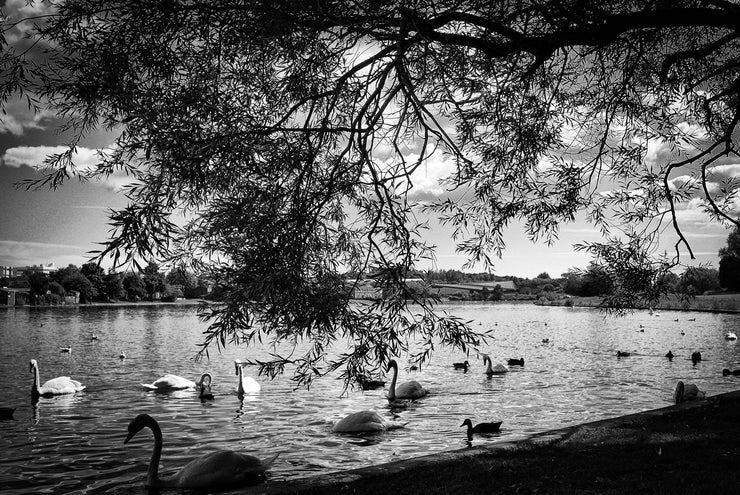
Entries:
{"x":94,"y":284}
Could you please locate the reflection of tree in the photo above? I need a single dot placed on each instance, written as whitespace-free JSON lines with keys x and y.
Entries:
{"x":291,"y":139}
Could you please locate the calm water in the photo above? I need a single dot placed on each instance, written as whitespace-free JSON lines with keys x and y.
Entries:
{"x":75,"y":443}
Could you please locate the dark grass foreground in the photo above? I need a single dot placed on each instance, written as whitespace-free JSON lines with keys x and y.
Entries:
{"x":683,"y":449}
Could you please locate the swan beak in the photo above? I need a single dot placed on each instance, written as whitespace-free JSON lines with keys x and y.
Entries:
{"x":129,"y":437}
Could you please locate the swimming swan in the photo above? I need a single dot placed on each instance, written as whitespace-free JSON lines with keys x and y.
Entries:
{"x":221,"y":468}
{"x":246,"y":384}
{"x":687,"y":392}
{"x":169,"y":382}
{"x":495,"y":370}
{"x":481,"y":427}
{"x":407,"y":390}
{"x":56,"y":386}
{"x":364,"y":422}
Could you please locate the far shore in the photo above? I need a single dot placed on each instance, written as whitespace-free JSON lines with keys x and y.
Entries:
{"x":710,"y":303}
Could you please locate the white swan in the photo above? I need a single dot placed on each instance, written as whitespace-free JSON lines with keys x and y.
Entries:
{"x":56,"y":386}
{"x":222,"y":468}
{"x":169,"y":382}
{"x":407,"y":390}
{"x":364,"y":422}
{"x":246,"y":384}
{"x":495,"y":370}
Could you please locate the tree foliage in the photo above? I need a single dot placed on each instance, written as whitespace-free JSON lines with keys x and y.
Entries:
{"x":289,"y":134}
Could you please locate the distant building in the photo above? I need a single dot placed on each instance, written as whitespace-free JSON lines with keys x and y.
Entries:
{"x":46,"y":268}
{"x":13,"y":297}
{"x":6,"y":272}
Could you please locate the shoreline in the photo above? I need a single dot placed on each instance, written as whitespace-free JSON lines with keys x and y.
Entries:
{"x":690,"y":447}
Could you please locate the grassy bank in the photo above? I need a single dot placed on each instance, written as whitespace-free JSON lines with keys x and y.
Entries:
{"x":689,"y":448}
{"x":726,"y":303}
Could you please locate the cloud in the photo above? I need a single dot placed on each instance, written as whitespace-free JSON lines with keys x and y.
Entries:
{"x":84,"y":159}
{"x":18,"y":253}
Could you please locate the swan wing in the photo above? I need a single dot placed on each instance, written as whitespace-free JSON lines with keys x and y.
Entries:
{"x":60,"y":385}
{"x":362,"y":421}
{"x":410,"y":390}
{"x":170,"y":382}
{"x":221,"y":468}
{"x":248,"y":386}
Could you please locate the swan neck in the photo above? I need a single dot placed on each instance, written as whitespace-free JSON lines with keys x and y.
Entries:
{"x":392,"y":390}
{"x":36,"y":381}
{"x":240,"y":386}
{"x":489,"y":369}
{"x":152,"y":474}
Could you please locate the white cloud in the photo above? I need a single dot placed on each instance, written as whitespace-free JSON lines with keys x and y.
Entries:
{"x":85,"y":160}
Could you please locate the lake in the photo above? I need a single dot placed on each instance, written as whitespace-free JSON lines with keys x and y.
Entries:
{"x":74,"y":444}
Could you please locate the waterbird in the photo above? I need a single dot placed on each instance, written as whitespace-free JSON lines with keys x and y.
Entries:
{"x":122,"y":355}
{"x":169,"y":382}
{"x":494,"y":370}
{"x":695,"y":357}
{"x":669,"y":355}
{"x":407,"y":390}
{"x":6,"y":412}
{"x":515,"y":362}
{"x":205,"y":386}
{"x":545,"y":341}
{"x":369,"y":383}
{"x":481,"y":427}
{"x":246,"y":384}
{"x":461,"y":366}
{"x":94,"y":337}
{"x":219,"y":469}
{"x":622,"y":354}
{"x":687,"y":392}
{"x":730,"y":336}
{"x":727,"y":372}
{"x":56,"y":386}
{"x":66,"y":349}
{"x":365,"y":422}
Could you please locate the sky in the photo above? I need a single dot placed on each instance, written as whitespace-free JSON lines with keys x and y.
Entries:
{"x":62,"y":226}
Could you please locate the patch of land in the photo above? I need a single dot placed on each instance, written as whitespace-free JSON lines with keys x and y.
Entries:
{"x":689,"y":448}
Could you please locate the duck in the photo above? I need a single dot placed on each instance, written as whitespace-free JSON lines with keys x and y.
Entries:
{"x":6,"y":412}
{"x":122,"y":355}
{"x":365,"y":422}
{"x":94,"y":337}
{"x":169,"y":382}
{"x":481,"y":427}
{"x":66,"y":349}
{"x":515,"y":362}
{"x":622,"y":354}
{"x":246,"y":384}
{"x":546,"y":341}
{"x":205,"y":386}
{"x":669,"y":355}
{"x":407,"y":390}
{"x":727,"y":372}
{"x":219,"y":469}
{"x":461,"y":366}
{"x":61,"y":385}
{"x":695,"y":357}
{"x":494,"y":370}
{"x":368,"y":383}
{"x":730,"y":336}
{"x":687,"y":392}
